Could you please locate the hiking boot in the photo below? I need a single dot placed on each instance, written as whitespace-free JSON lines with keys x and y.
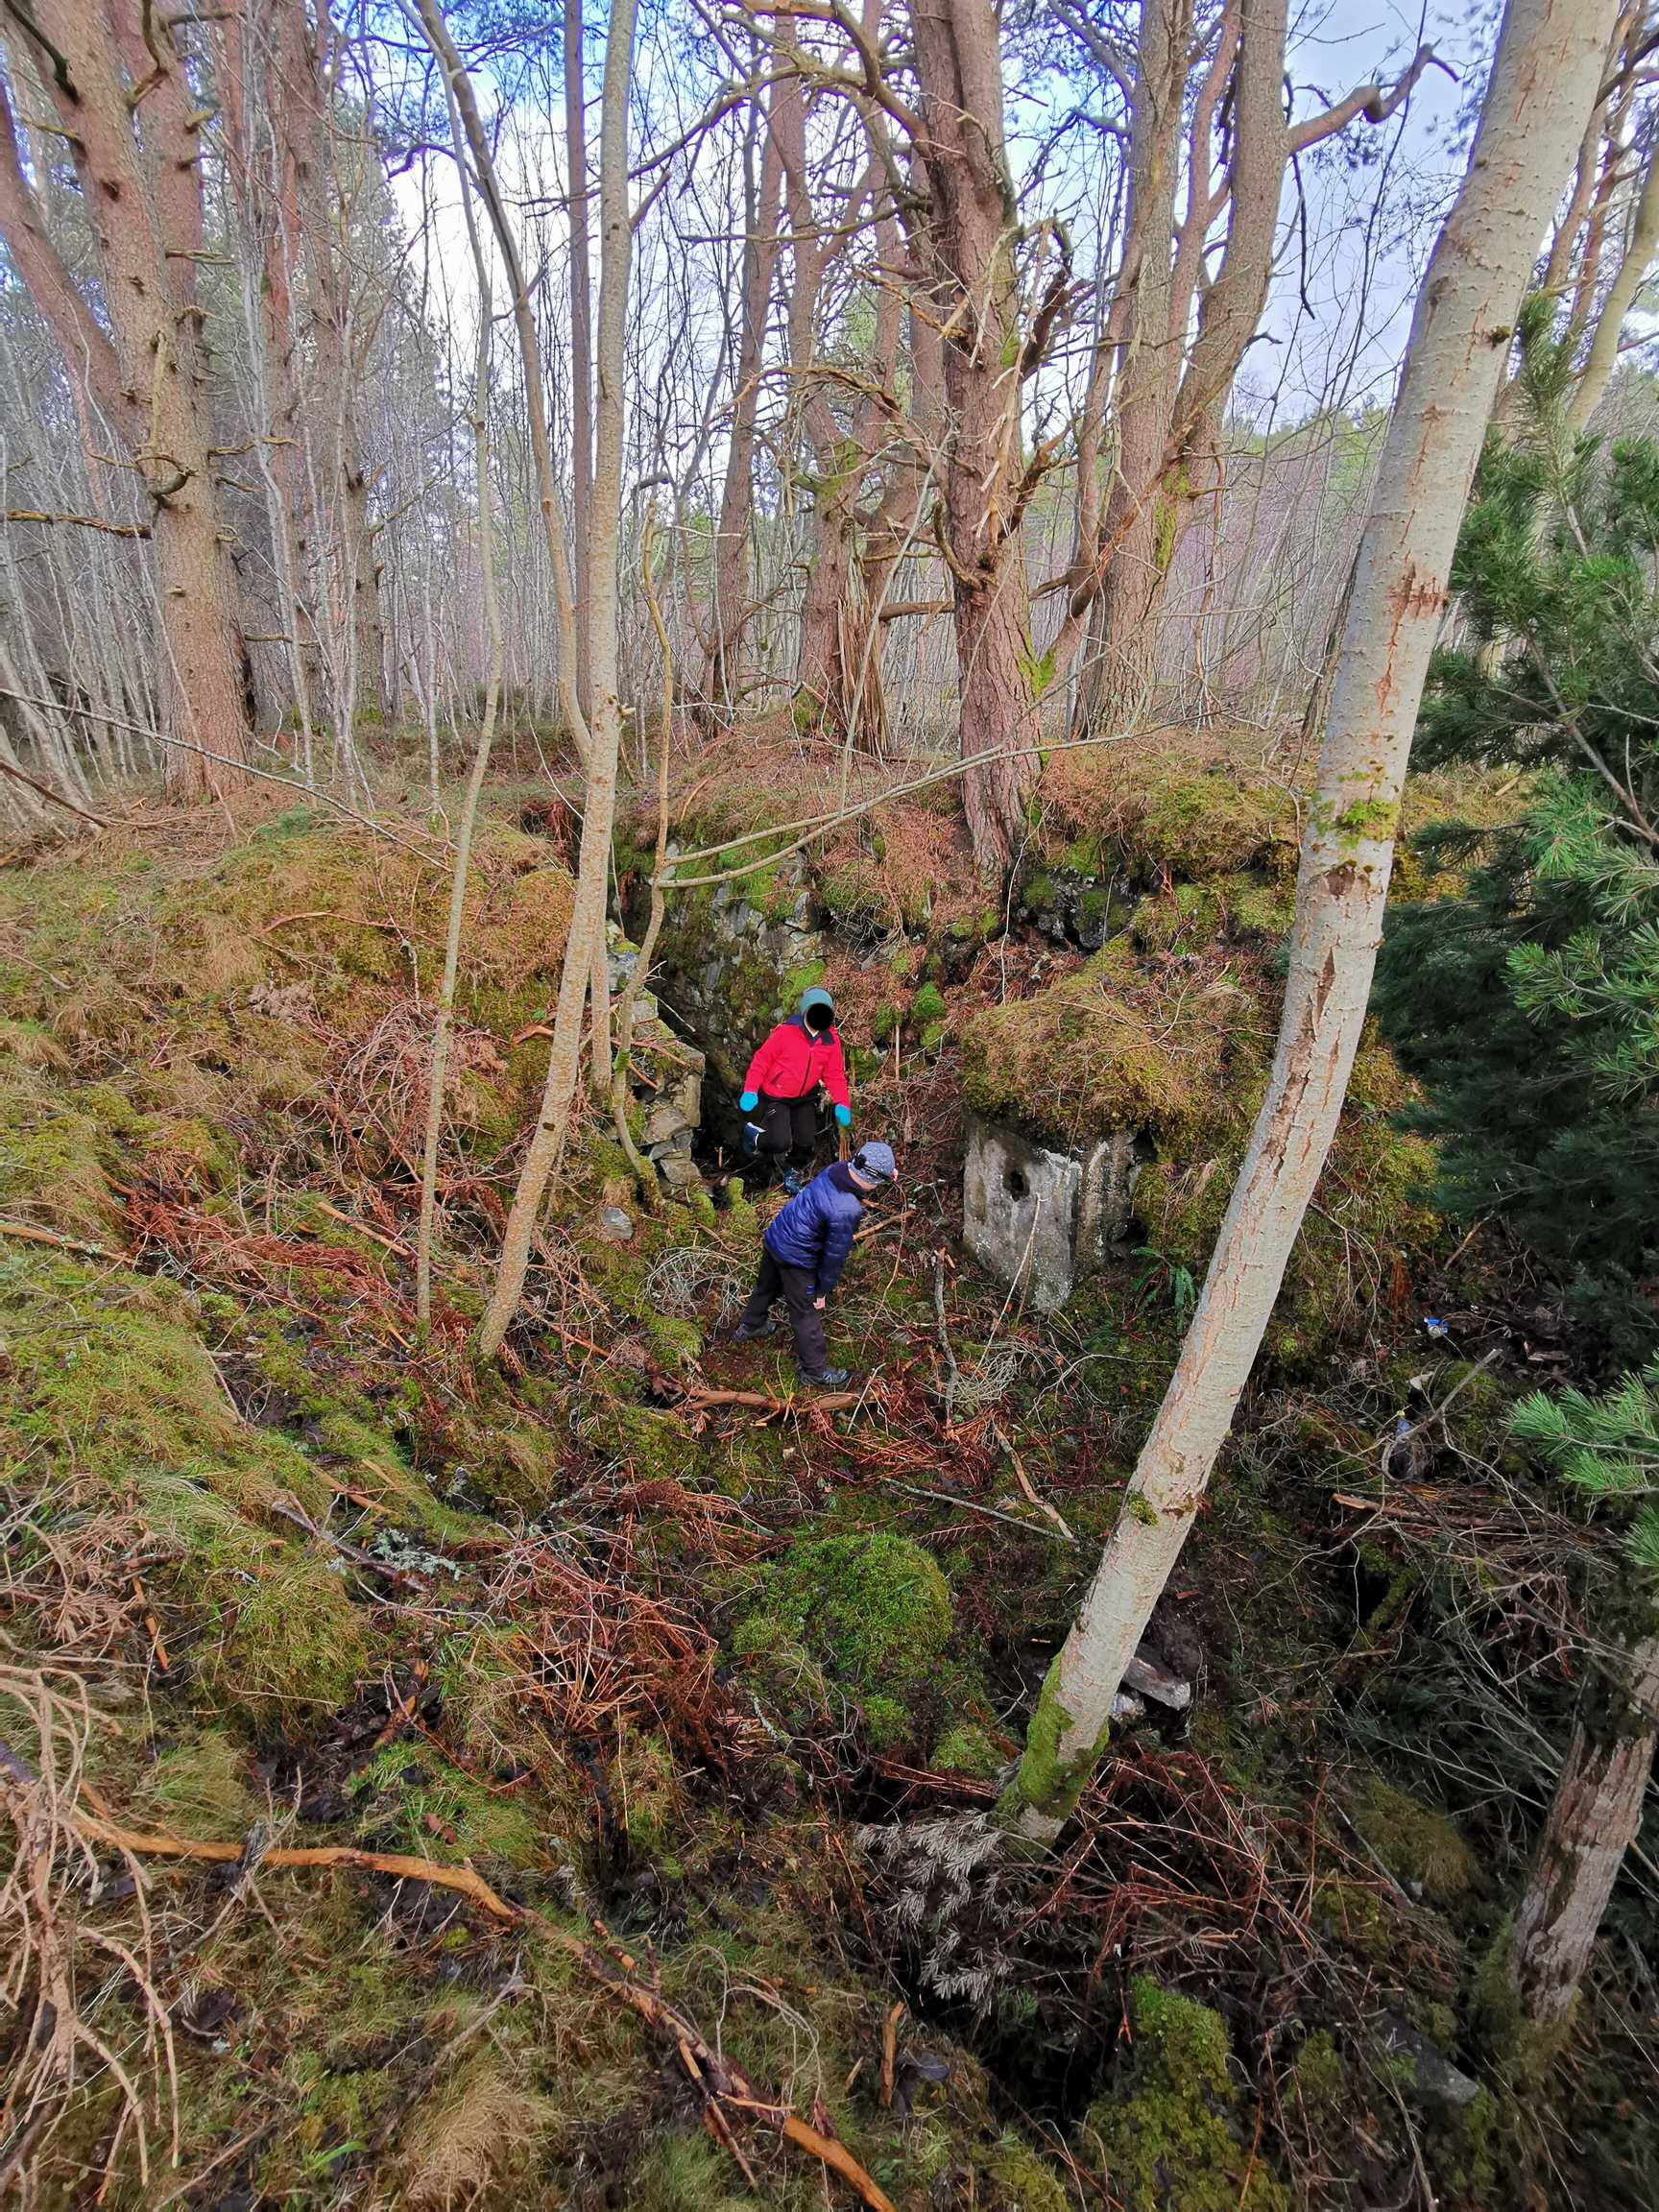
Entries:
{"x":747,"y":1334}
{"x":792,"y":1183}
{"x":825,"y":1379}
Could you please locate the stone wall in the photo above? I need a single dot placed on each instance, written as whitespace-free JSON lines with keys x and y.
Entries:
{"x":731,"y":960}
{"x":668,"y":1087}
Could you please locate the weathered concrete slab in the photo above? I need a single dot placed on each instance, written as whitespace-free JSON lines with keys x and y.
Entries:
{"x":1042,"y":1219}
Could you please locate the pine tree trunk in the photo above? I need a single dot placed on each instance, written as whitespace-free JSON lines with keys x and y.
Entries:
{"x":1593,"y":1821}
{"x":1543,"y":83}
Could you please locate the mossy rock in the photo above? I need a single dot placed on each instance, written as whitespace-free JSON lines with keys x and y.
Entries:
{"x":927,"y":1005}
{"x":874,"y":1611}
{"x":1173,"y":804}
{"x":1169,"y":2137}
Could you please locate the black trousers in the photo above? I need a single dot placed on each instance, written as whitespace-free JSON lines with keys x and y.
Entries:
{"x":788,"y":1132}
{"x":794,"y":1285}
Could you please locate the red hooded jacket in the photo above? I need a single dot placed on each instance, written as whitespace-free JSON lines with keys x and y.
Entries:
{"x":793,"y":1062}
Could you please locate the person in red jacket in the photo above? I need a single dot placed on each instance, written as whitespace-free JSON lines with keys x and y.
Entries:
{"x":779,"y":1099}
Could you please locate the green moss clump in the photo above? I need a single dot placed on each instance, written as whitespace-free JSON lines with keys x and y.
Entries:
{"x":412,"y":1794}
{"x":56,"y":1154}
{"x":1170,"y":2140}
{"x":295,"y":1649}
{"x":966,"y":1750}
{"x":200,"y":1787}
{"x":1106,"y":1048}
{"x":1414,"y":1842}
{"x":1317,"y":2073}
{"x":927,"y":1005}
{"x":1021,"y":2182}
{"x":875,"y":1611}
{"x":684,"y":2174}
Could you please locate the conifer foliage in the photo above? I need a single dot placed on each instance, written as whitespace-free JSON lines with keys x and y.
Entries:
{"x":1607,"y":1448}
{"x":1526,"y":997}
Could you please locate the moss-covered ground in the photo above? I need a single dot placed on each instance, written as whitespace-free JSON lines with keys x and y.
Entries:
{"x":280,"y":1570}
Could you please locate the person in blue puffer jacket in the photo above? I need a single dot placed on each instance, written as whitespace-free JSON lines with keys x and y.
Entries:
{"x":804,"y":1251}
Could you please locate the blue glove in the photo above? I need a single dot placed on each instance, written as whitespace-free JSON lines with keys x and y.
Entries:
{"x":749,"y":1101}
{"x":844,"y":1116}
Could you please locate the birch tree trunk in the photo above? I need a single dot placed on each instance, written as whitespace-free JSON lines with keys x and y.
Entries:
{"x":1544,"y":80}
{"x":580,"y":331}
{"x":584,"y":945}
{"x":1593,"y":1821}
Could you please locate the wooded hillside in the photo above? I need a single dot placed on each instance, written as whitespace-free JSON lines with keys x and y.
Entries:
{"x":646,"y":659}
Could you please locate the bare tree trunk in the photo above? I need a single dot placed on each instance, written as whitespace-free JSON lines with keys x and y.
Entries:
{"x":621,"y":1067}
{"x":584,"y":945}
{"x":1122,"y":643}
{"x":1640,"y":246}
{"x":530,"y":359}
{"x":1593,"y":1821}
{"x":972,"y":226}
{"x":581,"y":332}
{"x":493,"y":647}
{"x":1543,"y":83}
{"x":144,"y":207}
{"x":730,"y":610}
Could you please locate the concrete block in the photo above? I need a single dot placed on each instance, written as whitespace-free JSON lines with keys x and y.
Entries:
{"x":1042,"y":1219}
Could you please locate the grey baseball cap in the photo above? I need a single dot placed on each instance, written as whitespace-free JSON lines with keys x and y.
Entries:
{"x":876,"y":1163}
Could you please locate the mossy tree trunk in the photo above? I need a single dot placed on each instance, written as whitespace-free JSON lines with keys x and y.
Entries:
{"x":1593,"y":1822}
{"x":1543,"y":82}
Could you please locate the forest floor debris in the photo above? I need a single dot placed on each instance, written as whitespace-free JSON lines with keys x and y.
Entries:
{"x":626,"y":1620}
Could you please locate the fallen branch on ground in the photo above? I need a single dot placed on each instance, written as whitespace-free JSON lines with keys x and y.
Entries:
{"x":30,"y":1235}
{"x":399,"y":1864}
{"x":822,"y":1402}
{"x":721,"y":2082}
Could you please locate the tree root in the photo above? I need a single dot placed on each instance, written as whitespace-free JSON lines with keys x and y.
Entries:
{"x":726,"y":2088}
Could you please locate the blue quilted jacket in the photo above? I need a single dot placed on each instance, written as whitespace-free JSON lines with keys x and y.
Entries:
{"x":815,"y":1229}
